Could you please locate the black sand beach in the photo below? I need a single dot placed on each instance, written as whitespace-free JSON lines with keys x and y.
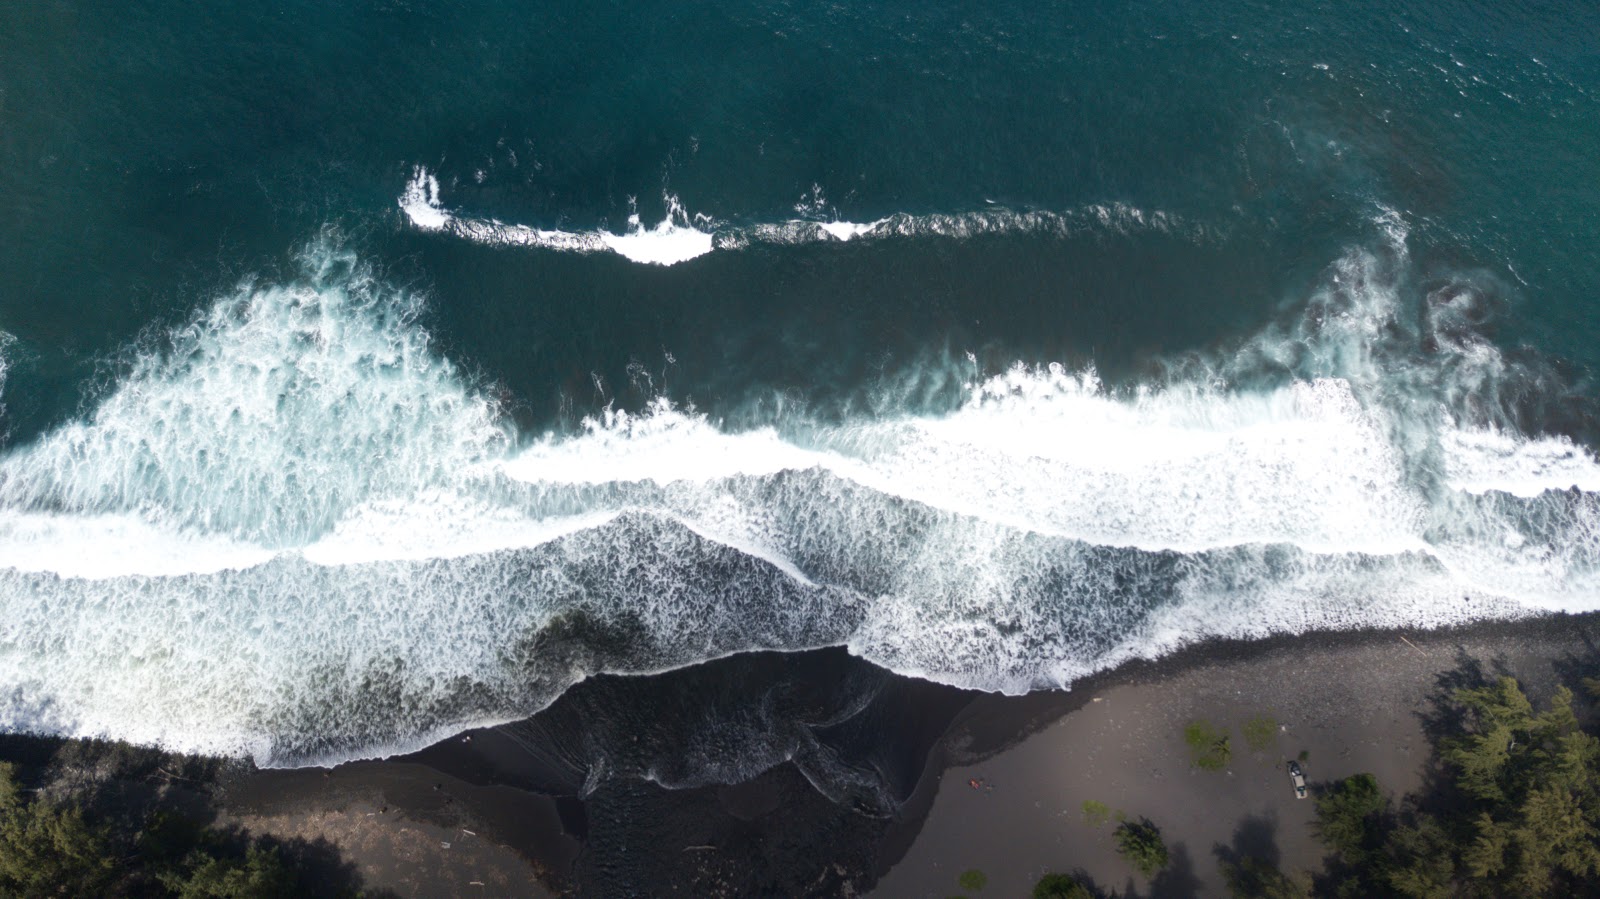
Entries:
{"x":1352,"y":702}
{"x":888,"y":785}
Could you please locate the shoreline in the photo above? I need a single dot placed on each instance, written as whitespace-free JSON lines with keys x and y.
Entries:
{"x":869,"y":792}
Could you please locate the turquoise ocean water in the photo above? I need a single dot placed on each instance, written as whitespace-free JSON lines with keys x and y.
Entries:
{"x":372,"y":370}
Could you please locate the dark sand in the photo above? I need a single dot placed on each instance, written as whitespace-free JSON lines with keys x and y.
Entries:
{"x":1354,"y":702}
{"x":564,"y":802}
{"x":406,"y":829}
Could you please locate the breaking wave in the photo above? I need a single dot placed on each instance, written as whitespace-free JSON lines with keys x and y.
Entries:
{"x":680,"y":236}
{"x":294,"y":530}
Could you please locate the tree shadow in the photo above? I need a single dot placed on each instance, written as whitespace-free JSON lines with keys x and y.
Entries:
{"x":1256,"y":837}
{"x":1177,"y":880}
{"x":1249,"y":866}
{"x":1440,"y":714}
{"x":320,"y":867}
{"x":1442,"y":717}
{"x":1573,"y":669}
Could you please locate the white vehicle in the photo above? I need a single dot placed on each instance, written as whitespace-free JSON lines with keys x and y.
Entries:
{"x":1298,"y":778}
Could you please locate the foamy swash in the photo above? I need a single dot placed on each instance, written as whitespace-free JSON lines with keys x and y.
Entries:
{"x":296,"y":531}
{"x":680,"y":237}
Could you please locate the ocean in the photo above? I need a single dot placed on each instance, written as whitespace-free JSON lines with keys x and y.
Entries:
{"x":376,"y":370}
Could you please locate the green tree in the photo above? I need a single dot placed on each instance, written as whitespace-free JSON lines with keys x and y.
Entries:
{"x":1518,"y":814}
{"x":1421,"y":863}
{"x":1140,"y":843}
{"x":1060,"y":886}
{"x":1347,"y":818}
{"x":48,"y":850}
{"x":261,"y":875}
{"x":1534,"y":776}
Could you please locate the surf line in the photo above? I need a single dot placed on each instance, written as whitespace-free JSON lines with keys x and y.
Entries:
{"x":680,"y":236}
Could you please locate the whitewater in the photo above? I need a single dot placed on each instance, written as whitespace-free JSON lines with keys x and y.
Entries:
{"x":294,"y":530}
{"x":681,"y":236}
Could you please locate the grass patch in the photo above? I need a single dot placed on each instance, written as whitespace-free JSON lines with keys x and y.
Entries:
{"x":1261,"y":732}
{"x":1209,"y":747}
{"x":972,"y":879}
{"x":1095,"y":813}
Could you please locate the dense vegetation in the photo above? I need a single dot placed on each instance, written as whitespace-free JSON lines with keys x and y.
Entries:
{"x":111,"y":823}
{"x":1516,"y":811}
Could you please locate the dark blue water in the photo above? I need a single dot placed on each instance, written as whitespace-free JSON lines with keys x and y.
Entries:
{"x":338,"y":345}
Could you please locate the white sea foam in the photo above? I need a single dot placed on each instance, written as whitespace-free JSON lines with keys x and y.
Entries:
{"x":115,"y":545}
{"x":1175,"y":469}
{"x":662,"y":445}
{"x":7,"y":344}
{"x":1479,"y":460}
{"x":680,"y":236}
{"x":420,"y":202}
{"x":849,"y":230}
{"x":672,"y":240}
{"x":437,"y":525}
{"x":292,"y":530}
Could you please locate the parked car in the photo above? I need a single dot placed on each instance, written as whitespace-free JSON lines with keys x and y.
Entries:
{"x":1298,"y":778}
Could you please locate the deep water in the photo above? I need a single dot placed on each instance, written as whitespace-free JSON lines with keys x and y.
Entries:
{"x":371,"y":371}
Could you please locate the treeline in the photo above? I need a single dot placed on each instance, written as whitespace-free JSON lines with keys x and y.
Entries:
{"x":1511,"y":808}
{"x":1515,"y":810}
{"x":118,"y":822}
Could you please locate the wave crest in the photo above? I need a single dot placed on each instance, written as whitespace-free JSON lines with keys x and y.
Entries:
{"x":294,"y":531}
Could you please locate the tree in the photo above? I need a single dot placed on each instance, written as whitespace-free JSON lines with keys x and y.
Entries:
{"x":1534,"y":777}
{"x":1140,"y":843}
{"x":48,"y":850}
{"x":1347,"y":817}
{"x":1421,"y":863}
{"x":1060,"y":886}
{"x":261,"y":875}
{"x":1518,"y":813}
